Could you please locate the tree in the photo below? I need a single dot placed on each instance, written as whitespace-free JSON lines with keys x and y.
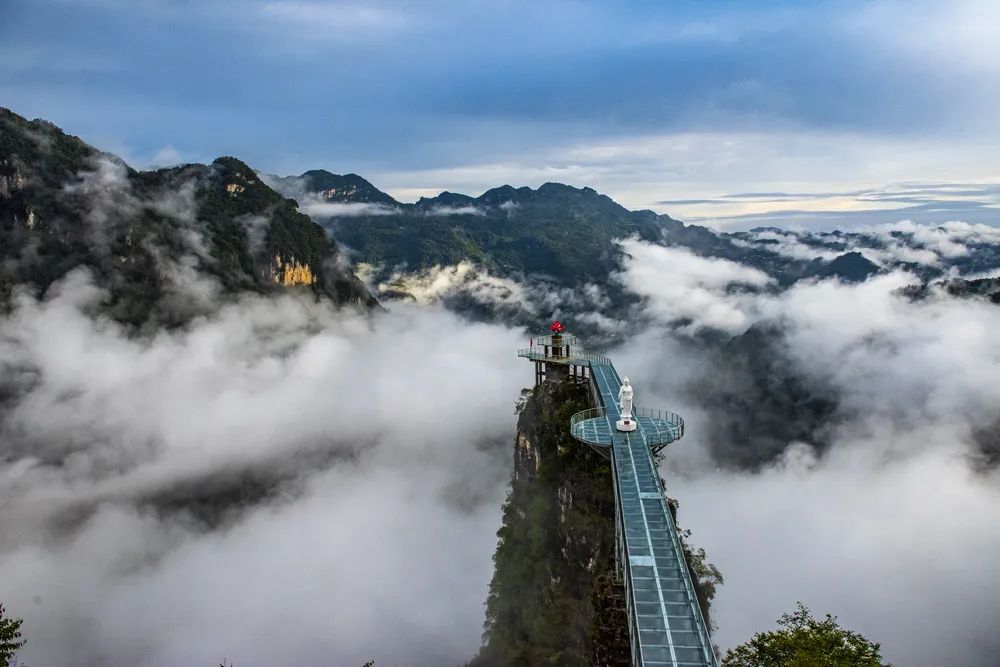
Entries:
{"x":804,"y":641}
{"x":10,"y":637}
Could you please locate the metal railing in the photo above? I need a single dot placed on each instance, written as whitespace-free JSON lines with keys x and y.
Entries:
{"x":658,"y":429}
{"x":688,"y":578}
{"x":662,"y":428}
{"x":555,"y":340}
{"x":584,"y":415}
{"x":541,"y":353}
{"x":577,"y":430}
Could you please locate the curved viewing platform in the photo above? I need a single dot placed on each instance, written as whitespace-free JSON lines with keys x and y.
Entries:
{"x":572,"y":355}
{"x":666,"y":626}
{"x":660,"y":427}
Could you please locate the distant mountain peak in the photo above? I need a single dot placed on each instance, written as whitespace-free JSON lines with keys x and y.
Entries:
{"x":347,"y":188}
{"x":220,"y":222}
{"x":447,"y":199}
{"x":851,"y":266}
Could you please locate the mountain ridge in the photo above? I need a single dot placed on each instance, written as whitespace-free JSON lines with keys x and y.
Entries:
{"x":147,"y":237}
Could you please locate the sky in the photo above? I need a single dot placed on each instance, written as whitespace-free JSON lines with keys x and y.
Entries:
{"x":795,"y":114}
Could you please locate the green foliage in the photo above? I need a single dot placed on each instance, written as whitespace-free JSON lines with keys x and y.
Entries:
{"x":804,"y":641}
{"x":554,"y":598}
{"x":133,"y":230}
{"x":706,"y":577}
{"x":556,"y":539}
{"x":10,"y":637}
{"x":556,"y":230}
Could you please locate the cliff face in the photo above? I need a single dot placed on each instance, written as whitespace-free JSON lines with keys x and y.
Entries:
{"x":553,"y":598}
{"x":163,"y":244}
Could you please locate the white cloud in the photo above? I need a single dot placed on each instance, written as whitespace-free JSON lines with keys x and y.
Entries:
{"x":893,"y":525}
{"x":166,"y":156}
{"x":790,"y":245}
{"x":329,"y":21}
{"x":437,"y":282}
{"x":886,"y":546}
{"x":456,"y":210}
{"x":376,"y":507}
{"x":317,"y":207}
{"x":681,"y":286}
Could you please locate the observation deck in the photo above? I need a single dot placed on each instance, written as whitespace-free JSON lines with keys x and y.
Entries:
{"x":666,"y":626}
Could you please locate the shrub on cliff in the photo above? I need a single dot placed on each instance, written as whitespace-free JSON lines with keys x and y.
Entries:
{"x":804,"y":640}
{"x":10,"y":637}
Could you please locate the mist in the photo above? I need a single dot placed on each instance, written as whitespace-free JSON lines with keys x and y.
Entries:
{"x":277,"y":483}
{"x":892,"y":526}
{"x":280,"y":482}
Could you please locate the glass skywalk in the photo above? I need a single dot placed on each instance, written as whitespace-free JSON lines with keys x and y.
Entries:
{"x":665,"y":622}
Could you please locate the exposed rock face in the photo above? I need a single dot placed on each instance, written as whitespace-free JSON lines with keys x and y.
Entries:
{"x":153,"y":241}
{"x":554,"y":598}
{"x":291,"y":272}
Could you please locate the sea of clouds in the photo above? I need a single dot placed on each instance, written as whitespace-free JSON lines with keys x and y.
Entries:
{"x":279,"y":482}
{"x":354,"y":466}
{"x":893,"y":527}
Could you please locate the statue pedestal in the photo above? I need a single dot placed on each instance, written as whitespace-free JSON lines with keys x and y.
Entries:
{"x":626,"y":425}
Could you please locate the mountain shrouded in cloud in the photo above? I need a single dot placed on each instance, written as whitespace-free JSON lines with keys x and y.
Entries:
{"x":847,"y":370}
{"x":189,"y":428}
{"x":190,"y":443}
{"x":148,"y":236}
{"x":274,"y":459}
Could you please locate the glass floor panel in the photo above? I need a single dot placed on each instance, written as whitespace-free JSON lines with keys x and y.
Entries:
{"x":665,"y":614}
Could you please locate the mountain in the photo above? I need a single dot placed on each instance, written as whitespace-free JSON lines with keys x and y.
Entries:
{"x":555,"y":597}
{"x":983,"y":288}
{"x":557,"y":230}
{"x":346,"y":188}
{"x":851,"y":267}
{"x":563,"y":234}
{"x":567,"y":236}
{"x":159,"y":242}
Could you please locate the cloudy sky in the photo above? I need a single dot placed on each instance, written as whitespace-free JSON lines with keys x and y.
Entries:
{"x":786,"y":113}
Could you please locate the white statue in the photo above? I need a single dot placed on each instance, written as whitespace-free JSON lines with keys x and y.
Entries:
{"x":625,"y":394}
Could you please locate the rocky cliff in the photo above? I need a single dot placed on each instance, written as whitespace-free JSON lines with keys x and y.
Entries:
{"x":554,"y":598}
{"x":163,"y":245}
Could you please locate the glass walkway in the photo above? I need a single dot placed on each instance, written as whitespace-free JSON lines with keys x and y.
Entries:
{"x":665,"y":622}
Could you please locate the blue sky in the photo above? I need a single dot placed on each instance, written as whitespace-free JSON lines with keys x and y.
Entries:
{"x":652,"y":102}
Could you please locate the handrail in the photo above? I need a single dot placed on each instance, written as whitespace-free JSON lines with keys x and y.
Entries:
{"x":584,"y":415}
{"x":590,"y":413}
{"x":556,"y":340}
{"x":688,"y":581}
{"x":659,"y":436}
{"x":578,"y":430}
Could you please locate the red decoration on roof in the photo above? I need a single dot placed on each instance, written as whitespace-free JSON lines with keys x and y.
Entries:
{"x":557,"y":327}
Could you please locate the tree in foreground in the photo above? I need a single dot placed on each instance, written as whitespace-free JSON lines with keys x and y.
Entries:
{"x":10,"y":637}
{"x":804,"y":641}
